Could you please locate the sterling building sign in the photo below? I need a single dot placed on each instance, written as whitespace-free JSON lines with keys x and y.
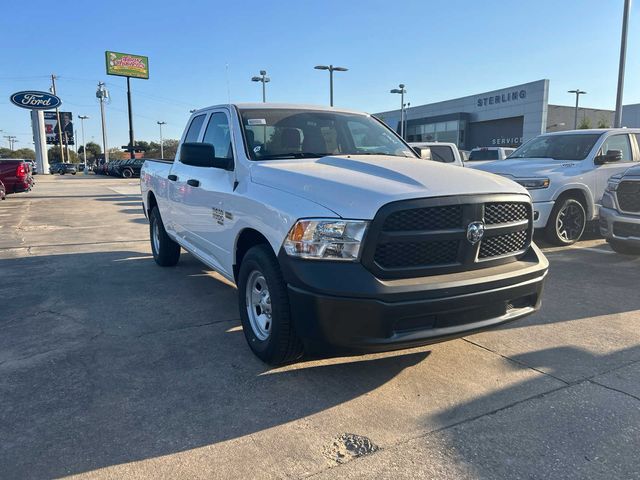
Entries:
{"x":502,"y":98}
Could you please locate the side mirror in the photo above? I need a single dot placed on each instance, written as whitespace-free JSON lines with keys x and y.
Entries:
{"x":423,"y":152}
{"x":611,"y":156}
{"x":203,"y":155}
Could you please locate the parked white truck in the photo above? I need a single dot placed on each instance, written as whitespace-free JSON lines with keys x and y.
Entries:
{"x":567,"y":173}
{"x":620,"y":212}
{"x":338,"y":237}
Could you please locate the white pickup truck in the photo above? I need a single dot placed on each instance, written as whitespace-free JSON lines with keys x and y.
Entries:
{"x":567,"y":173}
{"x":337,"y":235}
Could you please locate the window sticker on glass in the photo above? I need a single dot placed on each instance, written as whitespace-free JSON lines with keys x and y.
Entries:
{"x":256,"y":121}
{"x":257,"y":148}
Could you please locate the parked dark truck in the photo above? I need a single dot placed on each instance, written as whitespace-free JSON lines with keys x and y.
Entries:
{"x":16,"y":176}
{"x":338,"y":236}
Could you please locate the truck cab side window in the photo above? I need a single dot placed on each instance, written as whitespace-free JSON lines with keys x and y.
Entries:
{"x":218,"y":134}
{"x":194,"y":129}
{"x":618,"y":142}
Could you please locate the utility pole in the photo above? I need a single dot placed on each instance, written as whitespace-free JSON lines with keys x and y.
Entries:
{"x":58,"y":124}
{"x":623,"y":58}
{"x":331,"y":69}
{"x":11,"y":139}
{"x":103,"y":95}
{"x":161,"y":142}
{"x":578,"y":92}
{"x":264,"y":79}
{"x":84,"y":145}
{"x":401,"y":91}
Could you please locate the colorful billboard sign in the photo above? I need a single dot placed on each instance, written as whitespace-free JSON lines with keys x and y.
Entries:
{"x":52,"y":131}
{"x":127,"y":65}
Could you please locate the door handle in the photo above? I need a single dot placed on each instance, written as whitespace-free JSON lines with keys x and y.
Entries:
{"x":172,"y":177}
{"x":193,"y":182}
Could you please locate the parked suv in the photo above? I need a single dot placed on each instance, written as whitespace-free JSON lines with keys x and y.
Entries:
{"x":482,"y":155}
{"x":620,"y":212}
{"x":16,"y":176}
{"x":338,"y":236}
{"x":127,"y":168}
{"x":62,"y":168}
{"x":566,"y":174}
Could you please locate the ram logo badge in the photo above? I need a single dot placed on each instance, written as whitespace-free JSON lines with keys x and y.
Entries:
{"x":475,"y":232}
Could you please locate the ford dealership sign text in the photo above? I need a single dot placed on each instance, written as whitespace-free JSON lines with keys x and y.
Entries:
{"x":35,"y":100}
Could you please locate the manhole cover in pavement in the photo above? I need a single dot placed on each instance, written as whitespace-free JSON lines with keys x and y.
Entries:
{"x":348,"y":446}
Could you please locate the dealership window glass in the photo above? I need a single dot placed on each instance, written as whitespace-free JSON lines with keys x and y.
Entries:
{"x":194,"y":129}
{"x":275,"y":133}
{"x":218,"y":135}
{"x":618,"y":142}
{"x":441,"y":127}
{"x":558,"y":147}
{"x":483,"y":154}
{"x":429,"y":128}
{"x":452,"y":125}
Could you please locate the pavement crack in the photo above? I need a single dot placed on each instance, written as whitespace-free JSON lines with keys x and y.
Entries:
{"x":613,"y":389}
{"x":184,"y":327}
{"x":517,"y":362}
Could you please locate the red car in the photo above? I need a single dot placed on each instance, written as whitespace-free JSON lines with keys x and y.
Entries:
{"x":16,"y":175}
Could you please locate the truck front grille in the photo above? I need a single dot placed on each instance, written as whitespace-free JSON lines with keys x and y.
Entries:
{"x":629,"y":196}
{"x":429,"y":236}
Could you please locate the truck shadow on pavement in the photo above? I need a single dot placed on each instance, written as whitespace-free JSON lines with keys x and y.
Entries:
{"x":106,"y":358}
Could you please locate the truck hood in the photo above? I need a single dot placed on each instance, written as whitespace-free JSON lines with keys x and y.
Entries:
{"x":357,"y":186}
{"x":528,"y":167}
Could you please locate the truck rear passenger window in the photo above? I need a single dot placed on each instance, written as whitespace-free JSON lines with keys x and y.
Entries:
{"x":194,"y":129}
{"x":442,"y":154}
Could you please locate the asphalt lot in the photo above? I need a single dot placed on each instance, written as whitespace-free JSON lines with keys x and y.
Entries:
{"x":112,"y":367}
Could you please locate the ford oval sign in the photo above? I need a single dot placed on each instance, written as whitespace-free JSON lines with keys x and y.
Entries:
{"x":35,"y":100}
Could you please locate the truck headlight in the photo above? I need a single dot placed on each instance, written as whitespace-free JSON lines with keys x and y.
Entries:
{"x":612,"y":186}
{"x":533,"y":183}
{"x":326,"y":239}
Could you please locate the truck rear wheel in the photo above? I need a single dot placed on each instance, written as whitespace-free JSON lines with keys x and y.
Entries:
{"x":567,"y":222}
{"x":166,"y":252}
{"x":264,"y":308}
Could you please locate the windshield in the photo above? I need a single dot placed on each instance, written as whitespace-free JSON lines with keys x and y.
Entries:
{"x":558,"y":147}
{"x":292,"y":133}
{"x":484,"y":154}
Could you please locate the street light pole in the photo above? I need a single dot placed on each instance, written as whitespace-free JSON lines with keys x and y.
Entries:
{"x":103,"y":96}
{"x":331,"y":69}
{"x":161,"y":142}
{"x":401,"y":91}
{"x":264,"y":79}
{"x":84,"y":145}
{"x":623,"y":57}
{"x":578,"y":92}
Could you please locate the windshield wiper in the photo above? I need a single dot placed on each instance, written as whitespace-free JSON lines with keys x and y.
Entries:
{"x":276,"y":156}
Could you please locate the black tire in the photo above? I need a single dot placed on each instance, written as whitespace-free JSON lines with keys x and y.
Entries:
{"x":282,"y":345}
{"x":567,"y":222}
{"x":167,"y":252}
{"x":127,"y":173}
{"x":61,"y":172}
{"x":623,"y":247}
{"x":73,"y":173}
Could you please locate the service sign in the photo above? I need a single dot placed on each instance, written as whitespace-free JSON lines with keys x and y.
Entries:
{"x":34,"y":100}
{"x":127,"y":65}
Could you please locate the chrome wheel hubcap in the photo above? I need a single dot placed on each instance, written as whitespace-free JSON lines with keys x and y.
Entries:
{"x":258,"y":302}
{"x":570,"y":223}
{"x":155,"y":237}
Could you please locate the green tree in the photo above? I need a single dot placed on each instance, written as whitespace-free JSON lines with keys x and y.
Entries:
{"x":585,"y":123}
{"x":93,"y":151}
{"x":55,"y":157}
{"x":25,"y":153}
{"x":603,"y":123}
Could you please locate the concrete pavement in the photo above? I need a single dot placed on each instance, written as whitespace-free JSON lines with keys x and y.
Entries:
{"x":112,"y":367}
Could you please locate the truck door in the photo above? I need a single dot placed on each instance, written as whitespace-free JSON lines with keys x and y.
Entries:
{"x":206,"y":206}
{"x":603,"y":172}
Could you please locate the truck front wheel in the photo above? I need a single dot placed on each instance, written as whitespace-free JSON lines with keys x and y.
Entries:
{"x":264,"y":308}
{"x":166,"y":252}
{"x":567,"y":222}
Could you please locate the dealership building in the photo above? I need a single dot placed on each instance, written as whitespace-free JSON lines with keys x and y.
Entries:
{"x":505,"y":117}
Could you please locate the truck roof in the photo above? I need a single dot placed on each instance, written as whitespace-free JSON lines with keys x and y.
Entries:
{"x":292,"y":106}
{"x":595,"y":131}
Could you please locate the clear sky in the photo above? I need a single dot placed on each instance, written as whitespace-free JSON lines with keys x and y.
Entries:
{"x":439,"y":49}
